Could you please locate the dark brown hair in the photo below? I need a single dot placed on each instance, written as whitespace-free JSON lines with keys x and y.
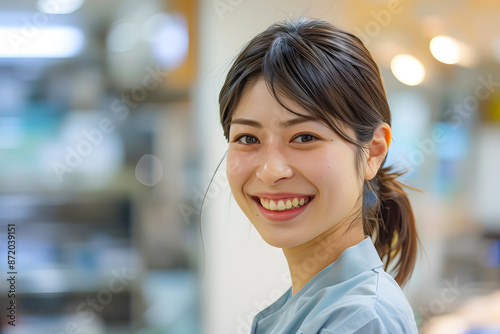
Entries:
{"x":330,"y":73}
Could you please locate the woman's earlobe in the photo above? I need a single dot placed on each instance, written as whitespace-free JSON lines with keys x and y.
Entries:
{"x":377,"y":150}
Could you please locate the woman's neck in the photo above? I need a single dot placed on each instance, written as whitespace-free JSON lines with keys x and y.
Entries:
{"x":308,"y":259}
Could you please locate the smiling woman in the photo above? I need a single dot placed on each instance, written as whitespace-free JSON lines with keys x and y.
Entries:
{"x":308,"y":124}
{"x":275,"y":162}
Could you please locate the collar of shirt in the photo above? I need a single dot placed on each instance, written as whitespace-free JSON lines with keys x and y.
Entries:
{"x":351,"y":262}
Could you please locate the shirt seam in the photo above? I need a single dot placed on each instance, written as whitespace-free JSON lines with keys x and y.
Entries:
{"x":377,"y":290}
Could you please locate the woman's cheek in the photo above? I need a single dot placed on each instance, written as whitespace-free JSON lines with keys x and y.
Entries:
{"x":321,"y":167}
{"x":236,"y":164}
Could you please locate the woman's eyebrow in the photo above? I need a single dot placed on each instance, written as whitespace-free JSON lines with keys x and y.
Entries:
{"x":283,"y":124}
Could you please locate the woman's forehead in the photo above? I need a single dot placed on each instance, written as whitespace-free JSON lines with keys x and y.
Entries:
{"x":257,"y":99}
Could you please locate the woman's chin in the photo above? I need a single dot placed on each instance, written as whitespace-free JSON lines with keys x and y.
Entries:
{"x":281,"y":242}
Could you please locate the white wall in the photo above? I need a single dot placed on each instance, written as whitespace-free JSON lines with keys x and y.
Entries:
{"x":242,"y":273}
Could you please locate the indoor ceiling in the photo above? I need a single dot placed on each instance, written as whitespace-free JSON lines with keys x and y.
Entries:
{"x":394,"y":26}
{"x":412,"y":24}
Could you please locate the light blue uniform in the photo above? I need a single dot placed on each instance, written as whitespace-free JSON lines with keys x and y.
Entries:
{"x":351,"y":295}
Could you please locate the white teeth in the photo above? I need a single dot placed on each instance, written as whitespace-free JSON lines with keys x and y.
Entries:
{"x":266,"y":204}
{"x":281,"y":205}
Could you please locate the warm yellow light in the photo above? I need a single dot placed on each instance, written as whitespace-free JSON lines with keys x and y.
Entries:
{"x":407,"y":69}
{"x":445,"y":49}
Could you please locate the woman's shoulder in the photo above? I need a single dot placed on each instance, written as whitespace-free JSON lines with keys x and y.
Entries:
{"x":374,"y":304}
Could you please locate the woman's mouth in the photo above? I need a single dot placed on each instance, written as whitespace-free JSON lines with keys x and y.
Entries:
{"x":282,"y":204}
{"x":283,"y":209}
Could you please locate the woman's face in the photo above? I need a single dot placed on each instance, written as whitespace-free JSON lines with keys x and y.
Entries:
{"x":272,"y":169}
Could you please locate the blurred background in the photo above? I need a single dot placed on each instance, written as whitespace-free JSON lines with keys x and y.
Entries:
{"x":110,"y":135}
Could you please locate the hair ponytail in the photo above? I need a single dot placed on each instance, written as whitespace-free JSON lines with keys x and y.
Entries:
{"x":391,"y":223}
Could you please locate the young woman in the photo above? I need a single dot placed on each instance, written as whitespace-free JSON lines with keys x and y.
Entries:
{"x":306,"y":116}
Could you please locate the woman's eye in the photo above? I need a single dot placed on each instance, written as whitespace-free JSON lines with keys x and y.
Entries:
{"x":246,"y":139}
{"x":305,"y":138}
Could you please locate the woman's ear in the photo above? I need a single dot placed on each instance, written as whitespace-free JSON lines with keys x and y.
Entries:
{"x":377,"y":150}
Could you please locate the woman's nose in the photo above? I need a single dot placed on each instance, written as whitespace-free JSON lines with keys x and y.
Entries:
{"x":273,"y":166}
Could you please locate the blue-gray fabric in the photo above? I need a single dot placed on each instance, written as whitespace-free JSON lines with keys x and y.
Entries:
{"x":351,"y":295}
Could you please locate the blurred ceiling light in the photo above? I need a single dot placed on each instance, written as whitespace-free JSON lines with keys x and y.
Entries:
{"x":445,"y":49}
{"x":58,"y":6}
{"x":170,"y":41}
{"x":407,"y":69}
{"x":449,"y":50}
{"x":49,"y":42}
{"x":122,"y":37}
